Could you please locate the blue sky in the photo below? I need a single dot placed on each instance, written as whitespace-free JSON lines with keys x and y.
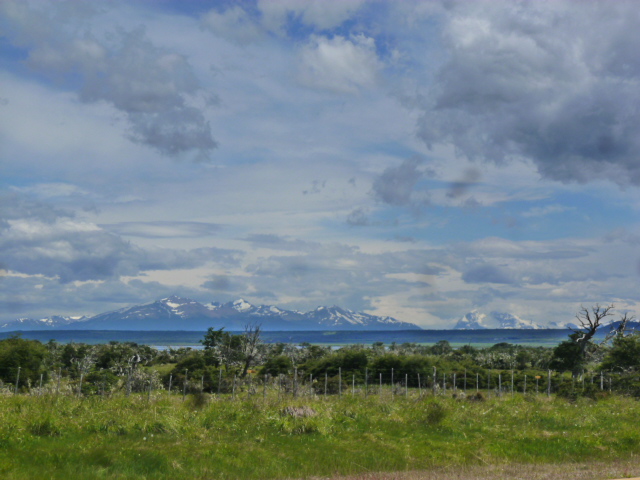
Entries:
{"x":418,"y":159}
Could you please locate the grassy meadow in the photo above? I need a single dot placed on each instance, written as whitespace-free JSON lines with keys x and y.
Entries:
{"x":161,"y":436}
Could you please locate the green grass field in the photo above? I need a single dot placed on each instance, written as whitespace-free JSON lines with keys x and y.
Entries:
{"x":204,"y":437}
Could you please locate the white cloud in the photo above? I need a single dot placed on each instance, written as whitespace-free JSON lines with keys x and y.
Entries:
{"x":339,"y":64}
{"x":234,"y":24}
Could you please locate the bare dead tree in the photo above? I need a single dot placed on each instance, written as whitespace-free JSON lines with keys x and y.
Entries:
{"x":250,"y":346}
{"x":620,"y":329}
{"x":590,"y":320}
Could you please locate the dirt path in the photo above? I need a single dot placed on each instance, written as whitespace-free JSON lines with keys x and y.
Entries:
{"x":624,"y":468}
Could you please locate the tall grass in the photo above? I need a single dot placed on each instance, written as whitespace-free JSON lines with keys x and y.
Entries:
{"x":205,"y":437}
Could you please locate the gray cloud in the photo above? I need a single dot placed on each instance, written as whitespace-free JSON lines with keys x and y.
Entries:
{"x":358,"y":218}
{"x":470,"y":177}
{"x":488,"y":274}
{"x":545,"y":81}
{"x":395,"y":186}
{"x":154,"y":88}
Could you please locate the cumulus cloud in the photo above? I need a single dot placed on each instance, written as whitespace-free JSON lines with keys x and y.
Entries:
{"x":544,"y":81}
{"x":339,"y":64}
{"x":154,"y":88}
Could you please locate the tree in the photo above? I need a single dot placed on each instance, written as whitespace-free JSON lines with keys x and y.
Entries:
{"x":574,"y":354}
{"x":29,"y":355}
{"x":234,"y":350}
{"x":624,"y":353}
{"x":590,"y":321}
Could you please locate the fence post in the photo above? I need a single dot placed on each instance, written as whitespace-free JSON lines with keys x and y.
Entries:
{"x":295,"y":382}
{"x":202,"y":384}
{"x":170,"y":382}
{"x":406,"y":384}
{"x":219,"y":379}
{"x":264,"y":388}
{"x":601,"y":381}
{"x":455,"y":386}
{"x":80,"y":386}
{"x":512,"y":383}
{"x":380,"y":389}
{"x":279,"y":386}
{"x":59,"y":377}
{"x":524,"y":391}
{"x":477,"y":382}
{"x":128,"y":382}
{"x":40,"y":387}
{"x":184,"y":387}
{"x":419,"y":387}
{"x":326,"y":380}
{"x":499,"y":384}
{"x":392,"y":385}
{"x":233,"y":392}
{"x":17,"y":382}
{"x":353,"y":385}
{"x":444,"y":383}
{"x":149,"y":395}
{"x":311,"y":384}
{"x":340,"y":381}
{"x":435,"y":381}
{"x":465,"y":381}
{"x":366,"y":382}
{"x":549,"y":384}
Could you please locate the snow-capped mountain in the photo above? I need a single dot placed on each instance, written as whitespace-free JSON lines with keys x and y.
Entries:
{"x":472,"y":321}
{"x":475,"y":320}
{"x":336,"y":317}
{"x":177,"y":313}
{"x":55,"y":321}
{"x":509,"y":321}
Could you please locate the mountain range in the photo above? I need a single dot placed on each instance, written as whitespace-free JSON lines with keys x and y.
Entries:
{"x":475,"y":320}
{"x":177,"y":313}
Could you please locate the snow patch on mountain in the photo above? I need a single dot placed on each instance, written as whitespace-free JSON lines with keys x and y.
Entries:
{"x":241,"y":305}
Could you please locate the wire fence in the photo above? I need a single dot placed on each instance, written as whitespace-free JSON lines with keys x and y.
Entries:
{"x":298,"y":383}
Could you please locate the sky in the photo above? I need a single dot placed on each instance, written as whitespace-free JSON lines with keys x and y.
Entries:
{"x":418,"y":159}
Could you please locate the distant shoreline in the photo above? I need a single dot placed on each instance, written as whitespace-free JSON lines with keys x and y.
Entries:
{"x":545,"y":337}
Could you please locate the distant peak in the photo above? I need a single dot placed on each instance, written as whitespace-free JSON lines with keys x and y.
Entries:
{"x":242,"y":305}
